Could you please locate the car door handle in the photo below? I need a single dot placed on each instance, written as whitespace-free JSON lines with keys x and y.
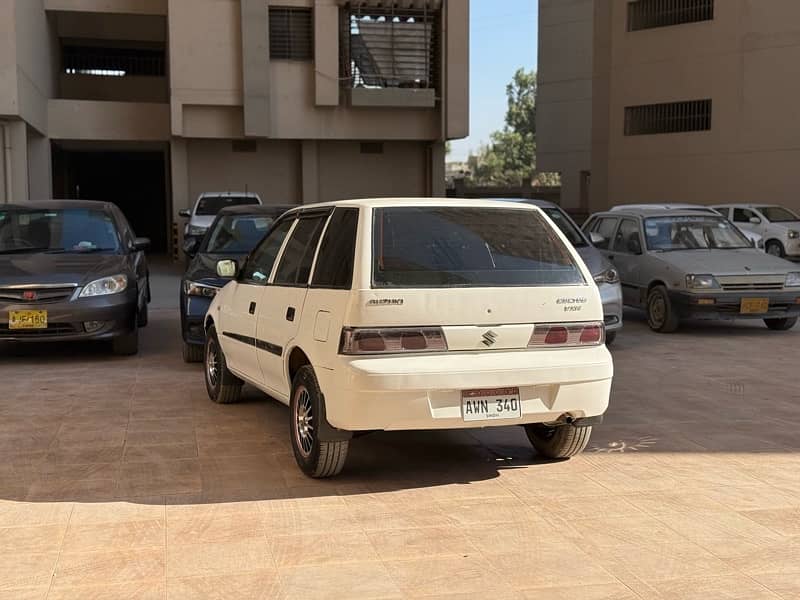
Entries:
{"x":252,"y":310}
{"x":290,"y":313}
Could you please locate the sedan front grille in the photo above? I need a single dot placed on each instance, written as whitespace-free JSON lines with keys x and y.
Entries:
{"x":752,"y":287}
{"x":37,"y":295}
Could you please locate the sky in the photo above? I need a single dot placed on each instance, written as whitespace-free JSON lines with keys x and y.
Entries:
{"x":503,"y":36}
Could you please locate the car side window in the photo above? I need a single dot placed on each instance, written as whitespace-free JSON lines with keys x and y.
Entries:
{"x":628,"y":239}
{"x":334,"y":268}
{"x":259,"y":264}
{"x":605,"y":226}
{"x":294,"y":267}
{"x":743,"y":215}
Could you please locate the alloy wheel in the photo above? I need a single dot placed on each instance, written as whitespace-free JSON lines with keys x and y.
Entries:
{"x":212,"y":363}
{"x":304,"y":421}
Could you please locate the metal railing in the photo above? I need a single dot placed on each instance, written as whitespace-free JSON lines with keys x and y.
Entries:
{"x":112,"y":62}
{"x":670,"y":117}
{"x":649,"y":14}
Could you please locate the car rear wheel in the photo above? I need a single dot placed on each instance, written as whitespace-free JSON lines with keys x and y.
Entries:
{"x":316,"y":457}
{"x":192,"y":353}
{"x":126,"y":344}
{"x":781,"y":324}
{"x":559,"y":441}
{"x":223,"y":387}
{"x":660,"y":315}
{"x":775,"y":248}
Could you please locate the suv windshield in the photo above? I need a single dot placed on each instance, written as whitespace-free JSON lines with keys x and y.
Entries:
{"x":237,"y":234}
{"x":696,"y":232}
{"x":59,"y":230}
{"x":778,"y":214}
{"x":566,"y":226}
{"x":211,"y":205}
{"x":468,"y":247}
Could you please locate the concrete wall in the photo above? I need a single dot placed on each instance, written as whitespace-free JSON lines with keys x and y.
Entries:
{"x":131,"y":7}
{"x":564,"y":101}
{"x":36,"y":64}
{"x":108,"y":121}
{"x":113,"y":89}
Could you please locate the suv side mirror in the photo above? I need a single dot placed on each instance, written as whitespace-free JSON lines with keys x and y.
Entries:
{"x":141,"y":244}
{"x":227,"y":268}
{"x":596,"y":238}
{"x":755,"y":220}
{"x":634,"y":245}
{"x":185,"y":213}
{"x":190,"y":245}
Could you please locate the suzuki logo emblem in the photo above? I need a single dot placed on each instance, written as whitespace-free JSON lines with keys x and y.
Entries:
{"x":28,"y":295}
{"x":489,"y":338}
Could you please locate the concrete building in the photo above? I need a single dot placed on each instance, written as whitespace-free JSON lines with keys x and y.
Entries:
{"x":148,"y":103}
{"x":670,"y":100}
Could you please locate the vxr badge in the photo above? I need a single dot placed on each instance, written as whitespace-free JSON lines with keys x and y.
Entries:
{"x":489,"y":338}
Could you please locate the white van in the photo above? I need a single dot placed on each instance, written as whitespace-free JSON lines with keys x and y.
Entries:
{"x":403,"y":314}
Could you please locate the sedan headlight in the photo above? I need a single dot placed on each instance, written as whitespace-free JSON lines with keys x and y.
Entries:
{"x":192,"y":288}
{"x":610,"y":275}
{"x":196,"y":231}
{"x":701,"y":282}
{"x":793,"y":235}
{"x":106,"y":286}
{"x":792,"y":280}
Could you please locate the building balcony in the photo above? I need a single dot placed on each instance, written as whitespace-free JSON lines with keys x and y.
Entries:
{"x":108,"y":121}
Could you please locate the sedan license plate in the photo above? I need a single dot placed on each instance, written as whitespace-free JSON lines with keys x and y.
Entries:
{"x":487,"y":405}
{"x":754,"y":306}
{"x":27,"y":319}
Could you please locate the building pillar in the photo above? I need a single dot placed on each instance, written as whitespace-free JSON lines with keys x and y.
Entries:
{"x":40,"y":167}
{"x":309,"y":166}
{"x":179,"y":174}
{"x":436,"y":168}
{"x":14,"y":142}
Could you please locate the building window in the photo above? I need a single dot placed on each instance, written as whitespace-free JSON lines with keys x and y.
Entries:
{"x":291,"y":33}
{"x":390,"y":47}
{"x":101,"y":61}
{"x":671,"y":117}
{"x":649,"y":14}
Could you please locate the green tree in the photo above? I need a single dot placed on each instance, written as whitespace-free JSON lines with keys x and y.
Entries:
{"x":510,"y":157}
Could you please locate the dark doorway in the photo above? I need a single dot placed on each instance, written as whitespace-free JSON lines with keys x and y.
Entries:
{"x":133,"y":180}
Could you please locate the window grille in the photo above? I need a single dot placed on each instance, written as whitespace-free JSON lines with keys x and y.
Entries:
{"x":291,"y":33}
{"x":671,"y":117}
{"x":390,"y":47}
{"x":112,"y":62}
{"x":649,"y":14}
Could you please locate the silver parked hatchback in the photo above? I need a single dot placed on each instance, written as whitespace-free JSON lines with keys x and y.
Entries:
{"x":685,"y":264}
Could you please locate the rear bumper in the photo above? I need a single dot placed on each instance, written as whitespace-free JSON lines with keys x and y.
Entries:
{"x":424,"y":392}
{"x":727,"y":306}
{"x":66,"y":320}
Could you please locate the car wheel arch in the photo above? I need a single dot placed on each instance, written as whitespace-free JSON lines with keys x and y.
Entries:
{"x":296,"y":359}
{"x":646,"y":291}
{"x":208,"y":324}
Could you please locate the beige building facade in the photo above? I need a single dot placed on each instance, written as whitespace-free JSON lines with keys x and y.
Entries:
{"x":148,"y":103}
{"x":670,"y":100}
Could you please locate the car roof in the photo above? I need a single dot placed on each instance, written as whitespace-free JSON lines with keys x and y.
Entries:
{"x":415,"y":202}
{"x":60,"y":204}
{"x":257,"y":209}
{"x":750,"y":205}
{"x":532,"y":201}
{"x":228,"y":194}
{"x":662,"y":206}
{"x":651,"y":212}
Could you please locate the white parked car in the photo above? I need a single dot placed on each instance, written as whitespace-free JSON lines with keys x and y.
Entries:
{"x":755,"y":239}
{"x":208,"y":205}
{"x":409,"y":314}
{"x":779,"y":226}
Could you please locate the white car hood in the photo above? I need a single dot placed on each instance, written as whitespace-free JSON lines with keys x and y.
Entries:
{"x":746,"y":261}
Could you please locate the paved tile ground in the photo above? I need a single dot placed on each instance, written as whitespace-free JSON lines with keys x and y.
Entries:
{"x":120,"y":479}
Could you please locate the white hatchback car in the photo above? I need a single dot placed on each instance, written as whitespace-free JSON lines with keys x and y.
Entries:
{"x":779,"y":226}
{"x":408,"y":314}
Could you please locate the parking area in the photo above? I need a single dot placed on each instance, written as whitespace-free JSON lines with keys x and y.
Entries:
{"x":120,"y":479}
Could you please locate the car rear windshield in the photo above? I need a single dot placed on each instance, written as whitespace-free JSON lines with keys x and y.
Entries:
{"x":211,"y":205}
{"x":237,"y":234}
{"x":468,"y":247}
{"x":70,"y":230}
{"x":567,"y":226}
{"x":696,"y":232}
{"x":778,"y":214}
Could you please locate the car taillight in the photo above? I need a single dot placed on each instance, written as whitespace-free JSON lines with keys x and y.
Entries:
{"x":567,"y":334}
{"x":392,"y":340}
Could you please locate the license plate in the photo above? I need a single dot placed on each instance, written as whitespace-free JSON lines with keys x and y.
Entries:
{"x":754,"y":306}
{"x":486,"y":405}
{"x":27,"y":319}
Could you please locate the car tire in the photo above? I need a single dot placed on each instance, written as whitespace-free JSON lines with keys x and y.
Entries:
{"x":610,"y":337}
{"x":775,"y":248}
{"x":192,"y":353}
{"x":223,"y":387}
{"x":126,"y":344}
{"x":316,"y":457}
{"x":561,"y":441}
{"x":661,"y":316}
{"x":781,"y":324}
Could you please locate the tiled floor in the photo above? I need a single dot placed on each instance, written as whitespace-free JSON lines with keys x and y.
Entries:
{"x":121,"y":480}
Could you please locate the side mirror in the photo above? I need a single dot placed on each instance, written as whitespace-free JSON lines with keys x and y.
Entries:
{"x":755,"y":220}
{"x":227,"y":268}
{"x":141,"y":244}
{"x":190,"y":245}
{"x":634,"y":246}
{"x":596,"y":238}
{"x":185,"y":213}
